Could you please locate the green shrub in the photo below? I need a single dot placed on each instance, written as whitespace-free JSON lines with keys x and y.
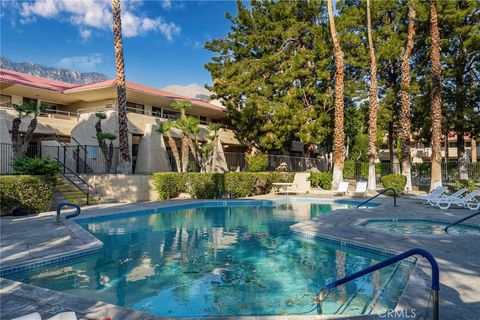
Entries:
{"x":395,"y":181}
{"x":321,"y":180}
{"x":35,"y":166}
{"x":204,"y":185}
{"x":239,"y":184}
{"x":26,"y":192}
{"x":168,"y":184}
{"x":465,"y":183}
{"x":279,"y":177}
{"x":257,"y":162}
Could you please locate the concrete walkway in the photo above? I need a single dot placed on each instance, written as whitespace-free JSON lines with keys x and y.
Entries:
{"x":28,"y":239}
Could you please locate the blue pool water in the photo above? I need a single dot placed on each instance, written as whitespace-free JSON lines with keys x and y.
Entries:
{"x":221,"y":260}
{"x":418,"y":226}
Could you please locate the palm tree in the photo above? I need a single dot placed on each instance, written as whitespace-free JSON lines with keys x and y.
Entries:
{"x":406,"y":126}
{"x":436,"y":157}
{"x":338,"y":132}
{"x":23,"y":110}
{"x":164,"y":129}
{"x":373,"y":110}
{"x":101,"y":137}
{"x":125,"y":163}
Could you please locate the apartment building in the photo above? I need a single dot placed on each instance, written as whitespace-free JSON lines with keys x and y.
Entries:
{"x":69,"y":119}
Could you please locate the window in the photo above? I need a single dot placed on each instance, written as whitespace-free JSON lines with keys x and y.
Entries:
{"x":203,"y":120}
{"x":30,"y":101}
{"x":5,"y":101}
{"x":170,"y":114}
{"x":157,"y":112}
{"x":91,"y":152}
{"x":135,"y":107}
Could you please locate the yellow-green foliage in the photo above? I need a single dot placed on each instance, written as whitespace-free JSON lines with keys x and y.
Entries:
{"x":394,"y":181}
{"x":27,"y":192}
{"x":168,"y":184}
{"x":321,"y":180}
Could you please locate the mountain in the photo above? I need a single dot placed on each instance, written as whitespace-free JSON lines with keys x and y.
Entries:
{"x":65,"y":75}
{"x":193,"y":91}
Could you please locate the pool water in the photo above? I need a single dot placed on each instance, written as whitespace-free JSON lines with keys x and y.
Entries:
{"x":221,"y":260}
{"x":418,"y":226}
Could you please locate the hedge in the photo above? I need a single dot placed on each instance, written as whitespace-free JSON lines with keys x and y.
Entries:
{"x":26,"y":192}
{"x":215,"y":185}
{"x":321,"y":180}
{"x":394,"y":181}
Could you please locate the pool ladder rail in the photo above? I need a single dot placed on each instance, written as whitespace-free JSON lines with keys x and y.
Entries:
{"x":461,"y":220}
{"x":324,"y":292}
{"x":63,"y":204}
{"x":379,"y":194}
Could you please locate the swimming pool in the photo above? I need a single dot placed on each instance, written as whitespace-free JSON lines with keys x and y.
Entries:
{"x":418,"y":226}
{"x":221,"y":259}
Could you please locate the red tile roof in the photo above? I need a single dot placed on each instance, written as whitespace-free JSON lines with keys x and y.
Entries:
{"x":14,"y":77}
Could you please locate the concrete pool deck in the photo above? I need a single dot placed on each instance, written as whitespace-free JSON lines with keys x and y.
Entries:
{"x":26,"y":239}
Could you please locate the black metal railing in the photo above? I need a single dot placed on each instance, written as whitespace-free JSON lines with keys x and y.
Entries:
{"x":435,"y":286}
{"x":79,"y":181}
{"x":379,"y":194}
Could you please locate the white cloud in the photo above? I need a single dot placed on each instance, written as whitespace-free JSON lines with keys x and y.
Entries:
{"x":97,"y":14}
{"x":81,"y":63}
{"x":166,"y":4}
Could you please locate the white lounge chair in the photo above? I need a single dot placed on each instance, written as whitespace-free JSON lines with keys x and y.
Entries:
{"x":450,"y":199}
{"x":469,"y":201}
{"x":437,"y":192}
{"x":300,"y":184}
{"x":361,"y":189}
{"x":342,"y":188}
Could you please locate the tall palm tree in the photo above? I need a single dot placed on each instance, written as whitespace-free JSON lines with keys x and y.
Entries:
{"x":373,"y":110}
{"x":406,"y":126}
{"x":164,"y":129}
{"x":23,"y":110}
{"x":436,"y":157}
{"x":125,"y":163}
{"x":338,"y":132}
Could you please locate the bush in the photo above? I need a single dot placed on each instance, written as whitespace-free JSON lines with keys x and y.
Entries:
{"x":321,"y":180}
{"x":239,"y":184}
{"x":204,"y":185}
{"x":168,"y":184}
{"x":465,"y":183}
{"x":35,"y":166}
{"x":395,"y":181}
{"x":279,"y":177}
{"x":32,"y":193}
{"x":257,"y":162}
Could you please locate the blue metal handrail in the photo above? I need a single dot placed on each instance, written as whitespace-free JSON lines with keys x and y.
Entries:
{"x":67,"y":204}
{"x":461,"y":220}
{"x":435,"y":276}
{"x":380,"y":193}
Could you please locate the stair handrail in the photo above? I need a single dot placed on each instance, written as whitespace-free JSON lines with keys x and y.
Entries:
{"x":67,"y":204}
{"x":460,"y":221}
{"x":87,"y":193}
{"x":380,"y":193}
{"x":435,"y":286}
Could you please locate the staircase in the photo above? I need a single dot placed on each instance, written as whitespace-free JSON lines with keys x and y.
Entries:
{"x":67,"y":191}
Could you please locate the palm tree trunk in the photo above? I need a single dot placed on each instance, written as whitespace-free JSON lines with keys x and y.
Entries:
{"x":405,"y":131}
{"x":176,"y":156}
{"x":15,"y":134}
{"x":474,"y":149}
{"x":103,"y":146}
{"x":338,"y":133}
{"x":436,"y":157}
{"x":373,"y":110}
{"x":194,"y":151}
{"x":28,"y":135}
{"x":125,"y":163}
{"x":184,"y":154}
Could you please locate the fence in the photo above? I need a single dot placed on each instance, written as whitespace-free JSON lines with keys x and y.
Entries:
{"x":78,"y":158}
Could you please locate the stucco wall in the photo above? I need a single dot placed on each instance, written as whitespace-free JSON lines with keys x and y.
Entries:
{"x":123,"y":188}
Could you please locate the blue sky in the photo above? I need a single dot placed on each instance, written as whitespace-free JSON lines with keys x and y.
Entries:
{"x":163,"y":40}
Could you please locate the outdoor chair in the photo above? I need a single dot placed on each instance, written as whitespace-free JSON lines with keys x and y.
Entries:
{"x":342,"y":189}
{"x":361,"y":189}
{"x":300,"y":184}
{"x":447,"y":200}
{"x":437,"y":192}
{"x":469,"y":201}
